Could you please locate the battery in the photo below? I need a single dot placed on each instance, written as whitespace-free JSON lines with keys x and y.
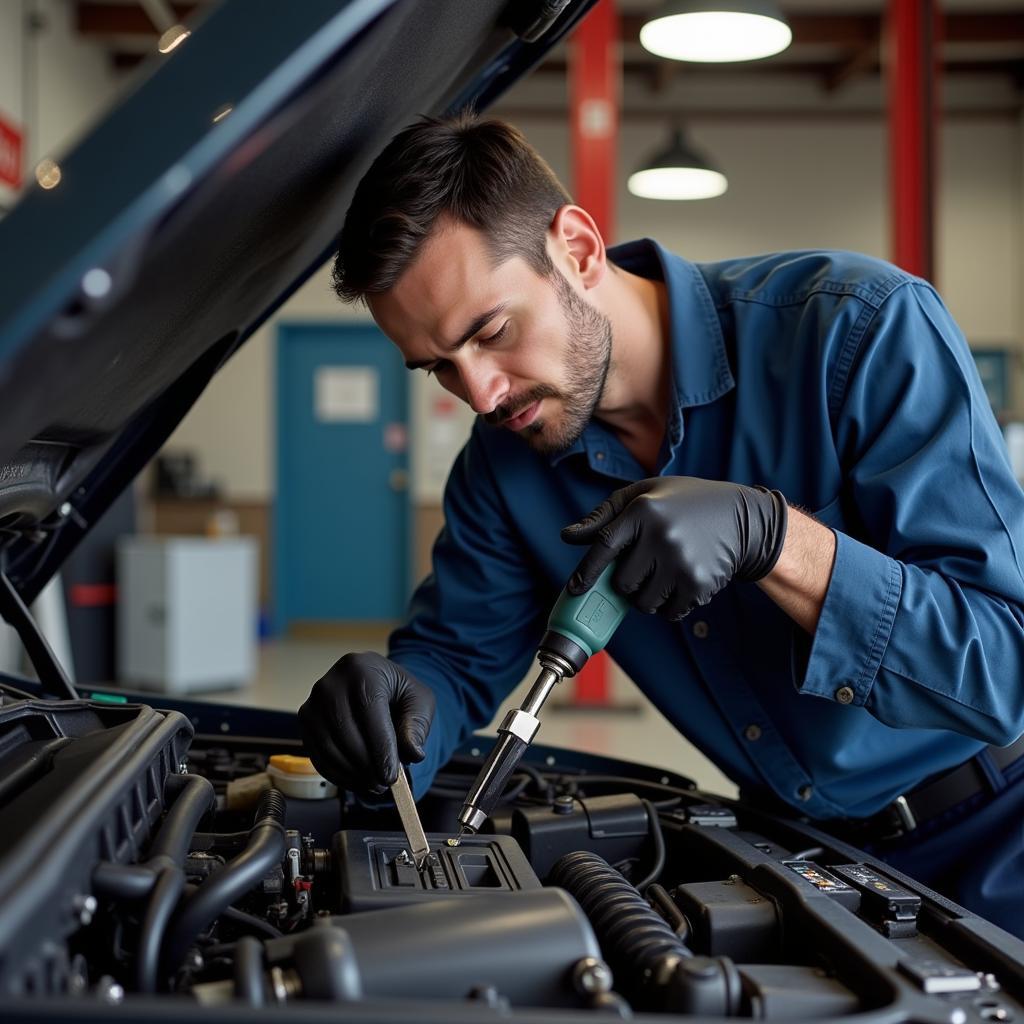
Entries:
{"x":882,"y":900}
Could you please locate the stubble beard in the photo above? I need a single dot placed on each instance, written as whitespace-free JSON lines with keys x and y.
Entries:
{"x":588,"y":360}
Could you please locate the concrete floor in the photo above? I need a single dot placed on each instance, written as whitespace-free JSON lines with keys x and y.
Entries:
{"x":288,"y":668}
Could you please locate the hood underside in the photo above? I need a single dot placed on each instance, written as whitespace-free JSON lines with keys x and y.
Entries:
{"x":176,"y":230}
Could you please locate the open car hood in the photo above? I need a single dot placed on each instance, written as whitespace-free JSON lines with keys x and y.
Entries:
{"x":195,"y":209}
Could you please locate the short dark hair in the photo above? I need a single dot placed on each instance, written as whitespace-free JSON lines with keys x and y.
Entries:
{"x":480,"y":172}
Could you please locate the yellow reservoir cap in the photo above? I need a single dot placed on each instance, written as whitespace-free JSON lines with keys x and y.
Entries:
{"x":297,"y":778}
{"x":289,"y":764}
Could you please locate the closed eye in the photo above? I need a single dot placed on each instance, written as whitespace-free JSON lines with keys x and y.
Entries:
{"x":497,"y":335}
{"x":443,"y":364}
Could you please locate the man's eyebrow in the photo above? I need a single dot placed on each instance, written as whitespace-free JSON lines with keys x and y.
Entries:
{"x":475,"y":327}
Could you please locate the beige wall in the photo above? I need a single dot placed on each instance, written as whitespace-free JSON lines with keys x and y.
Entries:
{"x":51,"y":80}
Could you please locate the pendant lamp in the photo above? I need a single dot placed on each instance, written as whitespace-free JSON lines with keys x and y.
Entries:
{"x":678,"y":172}
{"x":716,"y":31}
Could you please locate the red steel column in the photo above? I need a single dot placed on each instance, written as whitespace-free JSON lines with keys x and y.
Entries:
{"x":594,"y":75}
{"x":912,"y":41}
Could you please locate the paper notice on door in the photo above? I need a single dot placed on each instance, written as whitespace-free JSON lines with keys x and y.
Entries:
{"x":346,"y":394}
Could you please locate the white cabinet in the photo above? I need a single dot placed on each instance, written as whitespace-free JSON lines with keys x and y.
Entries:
{"x":186,"y":612}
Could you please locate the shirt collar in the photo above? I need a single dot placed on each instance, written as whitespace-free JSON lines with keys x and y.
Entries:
{"x":700,"y":365}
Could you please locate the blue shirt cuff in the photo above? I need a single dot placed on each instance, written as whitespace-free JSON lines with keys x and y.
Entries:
{"x":853,"y":630}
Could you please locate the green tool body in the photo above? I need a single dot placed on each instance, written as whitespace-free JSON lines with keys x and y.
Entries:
{"x":578,"y":627}
{"x":590,"y":619}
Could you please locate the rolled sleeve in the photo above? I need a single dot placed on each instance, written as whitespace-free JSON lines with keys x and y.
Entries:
{"x":855,"y":624}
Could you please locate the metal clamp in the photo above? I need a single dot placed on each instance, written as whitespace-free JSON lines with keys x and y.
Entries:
{"x":904,"y":818}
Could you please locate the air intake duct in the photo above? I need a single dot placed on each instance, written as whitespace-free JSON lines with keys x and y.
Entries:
{"x":643,"y":952}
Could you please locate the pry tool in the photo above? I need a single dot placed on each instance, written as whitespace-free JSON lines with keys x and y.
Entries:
{"x":419,"y":848}
{"x":578,"y":628}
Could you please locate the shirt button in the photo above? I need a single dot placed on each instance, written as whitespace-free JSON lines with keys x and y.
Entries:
{"x":805,"y":793}
{"x":844,"y":695}
{"x":599,"y":456}
{"x":752,"y":732}
{"x":700,"y":629}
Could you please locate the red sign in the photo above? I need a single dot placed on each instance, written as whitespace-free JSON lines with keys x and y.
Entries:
{"x":10,"y":154}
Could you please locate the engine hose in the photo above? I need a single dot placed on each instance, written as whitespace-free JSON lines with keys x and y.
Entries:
{"x":660,"y":901}
{"x":194,"y":797}
{"x":262,"y":852}
{"x":658,"y":842}
{"x":249,"y":981}
{"x":160,"y":879}
{"x":169,"y":884}
{"x":633,"y":937}
{"x":641,"y":948}
{"x":123,"y":881}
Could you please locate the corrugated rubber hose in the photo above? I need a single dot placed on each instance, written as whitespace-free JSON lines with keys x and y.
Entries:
{"x":643,"y":951}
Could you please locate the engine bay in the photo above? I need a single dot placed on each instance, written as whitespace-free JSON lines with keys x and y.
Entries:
{"x":145,"y":861}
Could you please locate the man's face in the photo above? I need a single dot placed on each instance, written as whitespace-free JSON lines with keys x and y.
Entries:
{"x":526,"y":352}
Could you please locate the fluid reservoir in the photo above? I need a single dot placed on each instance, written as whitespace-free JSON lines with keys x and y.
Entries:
{"x":296,"y":777}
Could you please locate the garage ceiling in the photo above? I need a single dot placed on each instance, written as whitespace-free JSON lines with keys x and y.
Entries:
{"x":833,"y":63}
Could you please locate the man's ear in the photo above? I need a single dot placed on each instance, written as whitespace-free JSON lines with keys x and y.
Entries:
{"x":576,"y":246}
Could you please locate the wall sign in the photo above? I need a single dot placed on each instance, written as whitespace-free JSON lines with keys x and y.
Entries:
{"x":346,"y":394}
{"x":11,"y":146}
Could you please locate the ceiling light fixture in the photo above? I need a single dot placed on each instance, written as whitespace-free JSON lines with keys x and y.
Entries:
{"x":172,"y":38}
{"x":678,"y":172}
{"x":716,"y":31}
{"x":48,"y":173}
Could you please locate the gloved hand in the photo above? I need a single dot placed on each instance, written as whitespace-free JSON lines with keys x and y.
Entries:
{"x":363,"y":720}
{"x":679,"y":540}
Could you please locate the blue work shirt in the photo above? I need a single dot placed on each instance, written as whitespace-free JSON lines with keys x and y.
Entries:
{"x":845,"y":383}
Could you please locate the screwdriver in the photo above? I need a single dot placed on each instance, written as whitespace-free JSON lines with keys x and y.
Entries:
{"x":410,"y":818}
{"x":578,"y":627}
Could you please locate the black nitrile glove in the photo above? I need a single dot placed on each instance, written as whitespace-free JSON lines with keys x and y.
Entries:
{"x":363,"y":720}
{"x":679,"y":540}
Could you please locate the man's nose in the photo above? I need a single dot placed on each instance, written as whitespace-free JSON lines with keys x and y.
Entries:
{"x":485,"y":389}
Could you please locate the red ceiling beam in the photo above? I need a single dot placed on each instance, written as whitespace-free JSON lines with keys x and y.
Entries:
{"x":123,"y":19}
{"x":848,"y":30}
{"x":824,"y":69}
{"x":853,"y":31}
{"x":860,"y":62}
{"x":996,"y":27}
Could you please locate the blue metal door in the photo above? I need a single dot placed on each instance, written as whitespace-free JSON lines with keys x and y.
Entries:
{"x":341,"y":516}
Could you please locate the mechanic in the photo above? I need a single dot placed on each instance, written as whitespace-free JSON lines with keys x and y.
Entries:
{"x":861,"y":663}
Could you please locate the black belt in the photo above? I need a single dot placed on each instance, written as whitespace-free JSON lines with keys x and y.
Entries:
{"x":933,"y":797}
